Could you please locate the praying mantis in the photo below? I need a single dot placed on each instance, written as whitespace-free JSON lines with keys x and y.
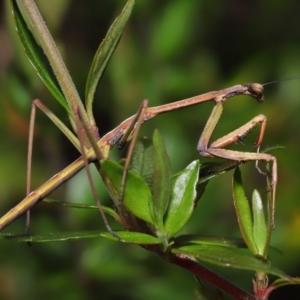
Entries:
{"x":126,"y":130}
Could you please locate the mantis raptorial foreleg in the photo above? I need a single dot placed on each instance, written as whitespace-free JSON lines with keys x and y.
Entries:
{"x":215,"y":149}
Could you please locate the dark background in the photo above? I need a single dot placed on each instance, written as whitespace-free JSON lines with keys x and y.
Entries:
{"x":170,"y":50}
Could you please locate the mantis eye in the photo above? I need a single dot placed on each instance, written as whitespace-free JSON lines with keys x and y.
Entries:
{"x":257,"y":88}
{"x":257,"y":91}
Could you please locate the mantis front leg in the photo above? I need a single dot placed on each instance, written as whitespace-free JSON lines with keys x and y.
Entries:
{"x":216,"y":148}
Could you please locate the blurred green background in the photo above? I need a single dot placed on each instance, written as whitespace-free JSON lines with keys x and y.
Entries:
{"x":170,"y":50}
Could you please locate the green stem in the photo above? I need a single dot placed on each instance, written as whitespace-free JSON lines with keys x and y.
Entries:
{"x":55,"y":60}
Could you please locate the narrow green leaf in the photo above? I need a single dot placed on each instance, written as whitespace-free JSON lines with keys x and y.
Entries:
{"x":137,"y":196}
{"x":260,"y":232}
{"x":106,"y":209}
{"x":125,"y":237}
{"x":210,"y":170}
{"x":37,"y":57}
{"x":270,"y":204}
{"x":162,"y":180}
{"x":185,"y":240}
{"x":183,"y":198}
{"x":60,"y":125}
{"x":190,"y":239}
{"x":103,"y":54}
{"x":243,"y":211}
{"x":133,"y":237}
{"x":52,"y":237}
{"x":229,"y":257}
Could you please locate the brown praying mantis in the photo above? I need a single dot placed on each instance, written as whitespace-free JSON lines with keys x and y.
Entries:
{"x":124,"y":132}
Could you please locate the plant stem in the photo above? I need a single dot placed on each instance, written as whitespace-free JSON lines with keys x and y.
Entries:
{"x":55,"y":59}
{"x":211,"y":277}
{"x":204,"y":273}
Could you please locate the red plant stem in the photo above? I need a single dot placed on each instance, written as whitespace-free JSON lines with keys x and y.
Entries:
{"x":211,"y":277}
{"x":204,"y":273}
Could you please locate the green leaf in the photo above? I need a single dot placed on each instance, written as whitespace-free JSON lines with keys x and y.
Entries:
{"x":37,"y":57}
{"x":106,"y":209}
{"x":260,"y":232}
{"x":103,"y":54}
{"x":133,"y":237}
{"x":142,"y":160}
{"x":125,"y":237}
{"x":137,"y":196}
{"x":162,"y":181}
{"x":229,"y":257}
{"x":183,"y":198}
{"x":188,"y":239}
{"x":270,"y":203}
{"x":243,"y":211}
{"x":210,"y":170}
